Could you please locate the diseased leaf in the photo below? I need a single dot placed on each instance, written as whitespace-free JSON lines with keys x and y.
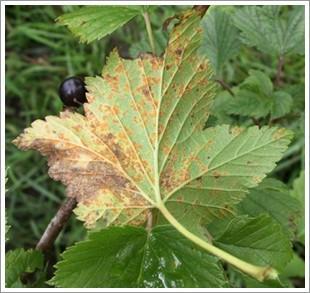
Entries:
{"x":19,"y":261}
{"x":273,"y":197}
{"x":221,"y":37}
{"x":106,"y":158}
{"x":141,"y":143}
{"x":95,"y":22}
{"x":132,"y":257}
{"x":267,"y":29}
{"x":259,"y":240}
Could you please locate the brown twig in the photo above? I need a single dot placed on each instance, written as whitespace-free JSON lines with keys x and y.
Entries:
{"x":225,"y":86}
{"x":279,"y":74}
{"x":255,"y":121}
{"x":56,"y":224}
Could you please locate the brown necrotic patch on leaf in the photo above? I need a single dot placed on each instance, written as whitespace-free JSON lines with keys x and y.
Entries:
{"x":82,"y":161}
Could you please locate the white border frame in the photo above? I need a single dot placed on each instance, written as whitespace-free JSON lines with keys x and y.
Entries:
{"x":304,"y":3}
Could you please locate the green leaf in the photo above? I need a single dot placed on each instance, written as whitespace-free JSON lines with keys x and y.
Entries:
{"x":132,"y":257}
{"x":298,"y":92}
{"x":220,"y":38}
{"x":295,"y":268}
{"x":255,"y":97}
{"x":273,"y":197}
{"x":267,"y":29}
{"x":282,"y":104}
{"x":298,"y":192}
{"x":141,"y":142}
{"x":95,"y":22}
{"x":258,"y":240}
{"x":19,"y":261}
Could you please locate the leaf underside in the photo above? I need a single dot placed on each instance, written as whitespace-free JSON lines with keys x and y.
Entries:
{"x":141,"y":141}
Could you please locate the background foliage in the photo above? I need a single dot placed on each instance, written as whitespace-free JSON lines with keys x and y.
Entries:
{"x":40,"y":54}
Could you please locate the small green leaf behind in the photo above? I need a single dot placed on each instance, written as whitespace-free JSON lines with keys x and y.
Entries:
{"x":95,"y":22}
{"x":132,"y":257}
{"x":255,"y":97}
{"x":220,"y":39}
{"x":295,"y":268}
{"x":273,"y":197}
{"x":258,"y":240}
{"x":21,"y":261}
{"x":271,"y":31}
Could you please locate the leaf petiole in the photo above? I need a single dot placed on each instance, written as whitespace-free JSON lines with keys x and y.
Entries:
{"x":258,"y":272}
{"x":149,"y":30}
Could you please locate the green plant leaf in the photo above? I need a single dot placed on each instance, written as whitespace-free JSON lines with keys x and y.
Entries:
{"x":295,"y":268}
{"x":282,"y":104}
{"x":273,"y":197}
{"x":259,"y":240}
{"x":267,"y":29}
{"x":255,"y":97}
{"x":142,"y":140}
{"x":132,"y":257}
{"x":95,"y":22}
{"x":249,"y":282}
{"x":298,"y":192}
{"x":19,"y":261}
{"x":220,"y":38}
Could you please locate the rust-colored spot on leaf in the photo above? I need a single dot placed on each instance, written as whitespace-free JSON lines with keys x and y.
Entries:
{"x":279,"y":133}
{"x":179,"y":51}
{"x":216,"y":174}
